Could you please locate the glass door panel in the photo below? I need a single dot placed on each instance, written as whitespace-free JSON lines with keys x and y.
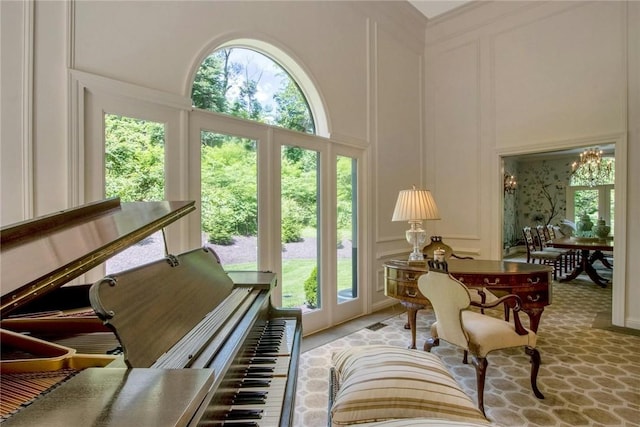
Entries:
{"x":135,"y":171}
{"x":300,"y":195}
{"x":229,"y":199}
{"x":346,"y":214}
{"x":612,"y":211}
{"x":585,"y":201}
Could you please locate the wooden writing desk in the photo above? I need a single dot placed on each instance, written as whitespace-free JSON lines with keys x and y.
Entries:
{"x":531,"y":282}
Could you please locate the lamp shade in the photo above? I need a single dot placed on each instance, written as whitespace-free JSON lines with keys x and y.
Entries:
{"x":415,"y":205}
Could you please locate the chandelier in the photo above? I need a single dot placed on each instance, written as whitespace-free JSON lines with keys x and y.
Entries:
{"x":592,"y":169}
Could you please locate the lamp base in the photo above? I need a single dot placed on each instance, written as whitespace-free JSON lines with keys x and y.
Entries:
{"x":416,"y":256}
{"x":416,"y":236}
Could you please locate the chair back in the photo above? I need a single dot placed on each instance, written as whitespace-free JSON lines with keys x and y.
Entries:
{"x":528,"y":238}
{"x":551,"y":231}
{"x":543,"y":236}
{"x":448,"y":297}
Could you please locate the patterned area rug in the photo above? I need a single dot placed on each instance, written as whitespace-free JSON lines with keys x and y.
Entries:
{"x":590,"y":375}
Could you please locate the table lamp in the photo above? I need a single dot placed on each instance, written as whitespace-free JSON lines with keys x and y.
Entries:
{"x":414,"y":206}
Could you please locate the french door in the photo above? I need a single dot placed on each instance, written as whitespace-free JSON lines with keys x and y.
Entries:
{"x":277,"y":200}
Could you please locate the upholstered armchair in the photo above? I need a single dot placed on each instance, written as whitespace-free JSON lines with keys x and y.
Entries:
{"x":474,"y":332}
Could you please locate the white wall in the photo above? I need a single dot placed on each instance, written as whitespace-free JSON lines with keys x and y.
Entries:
{"x":366,"y":59}
{"x":515,"y":77}
{"x":494,"y":78}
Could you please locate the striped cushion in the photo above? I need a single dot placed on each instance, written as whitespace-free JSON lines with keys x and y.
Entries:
{"x":380,"y":382}
{"x":422,"y":422}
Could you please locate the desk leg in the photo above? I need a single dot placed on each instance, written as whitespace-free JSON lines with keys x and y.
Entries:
{"x":412,"y":311}
{"x":534,"y":317}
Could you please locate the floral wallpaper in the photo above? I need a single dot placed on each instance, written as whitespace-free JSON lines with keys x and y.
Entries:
{"x":540,"y":197}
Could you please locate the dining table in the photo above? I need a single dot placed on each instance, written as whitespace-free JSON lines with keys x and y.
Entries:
{"x":591,"y":250}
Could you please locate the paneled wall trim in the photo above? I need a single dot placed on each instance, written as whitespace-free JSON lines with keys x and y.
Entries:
{"x":547,"y":76}
{"x":436,"y":103}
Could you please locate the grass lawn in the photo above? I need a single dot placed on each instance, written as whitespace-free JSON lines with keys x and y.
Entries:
{"x":294,"y":274}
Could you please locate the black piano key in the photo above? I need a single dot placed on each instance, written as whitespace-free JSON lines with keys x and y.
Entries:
{"x":265,"y":361}
{"x":241,"y":424}
{"x":247,"y":393}
{"x":248,"y":401}
{"x":269,"y":341}
{"x":267,"y":348}
{"x":244,"y":414}
{"x":258,"y":375}
{"x":255,"y":383}
{"x":258,"y":369}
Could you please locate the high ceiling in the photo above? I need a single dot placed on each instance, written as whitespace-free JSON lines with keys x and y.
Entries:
{"x":433,"y":8}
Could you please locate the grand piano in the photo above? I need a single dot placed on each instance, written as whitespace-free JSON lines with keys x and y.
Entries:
{"x":176,"y":342}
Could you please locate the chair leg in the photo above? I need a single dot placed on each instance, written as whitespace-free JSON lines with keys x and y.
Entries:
{"x":431,"y":342}
{"x":535,"y":366}
{"x":481,"y":369}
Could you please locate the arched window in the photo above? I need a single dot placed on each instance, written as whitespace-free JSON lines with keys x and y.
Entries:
{"x":245,"y":83}
{"x":271,"y":199}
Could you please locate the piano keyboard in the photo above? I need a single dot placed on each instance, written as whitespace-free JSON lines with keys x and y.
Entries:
{"x":252,"y":392}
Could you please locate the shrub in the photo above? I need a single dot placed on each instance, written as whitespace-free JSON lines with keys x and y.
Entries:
{"x":311,"y":288}
{"x":291,"y":231}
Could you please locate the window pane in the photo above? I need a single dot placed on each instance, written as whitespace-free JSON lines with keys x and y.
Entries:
{"x":229,"y":195}
{"x":245,"y":83}
{"x":586,"y":202}
{"x":300,"y":231}
{"x":134,"y":170}
{"x":347,"y":251}
{"x":612,"y":210}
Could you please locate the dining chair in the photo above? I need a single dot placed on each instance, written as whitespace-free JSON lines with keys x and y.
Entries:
{"x":476,"y":333}
{"x":573,"y":256}
{"x":544,"y":239}
{"x":543,"y":257}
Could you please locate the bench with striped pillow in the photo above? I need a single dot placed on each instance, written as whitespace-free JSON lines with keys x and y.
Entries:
{"x":378,"y":382}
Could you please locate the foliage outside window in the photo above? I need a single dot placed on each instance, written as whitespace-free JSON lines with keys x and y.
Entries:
{"x":134,"y":171}
{"x":592,"y":194}
{"x":246,"y":84}
{"x":134,"y":159}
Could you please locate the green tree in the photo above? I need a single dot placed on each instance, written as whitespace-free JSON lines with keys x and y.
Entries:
{"x":229,"y":203}
{"x":134,"y":158}
{"x":292,"y":111}
{"x":344,"y":188}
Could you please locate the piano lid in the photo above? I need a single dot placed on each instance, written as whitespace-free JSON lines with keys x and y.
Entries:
{"x":44,"y":253}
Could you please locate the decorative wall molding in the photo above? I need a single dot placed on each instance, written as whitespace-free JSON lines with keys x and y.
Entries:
{"x":128,"y":90}
{"x":465,"y":125}
{"x":28,"y":27}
